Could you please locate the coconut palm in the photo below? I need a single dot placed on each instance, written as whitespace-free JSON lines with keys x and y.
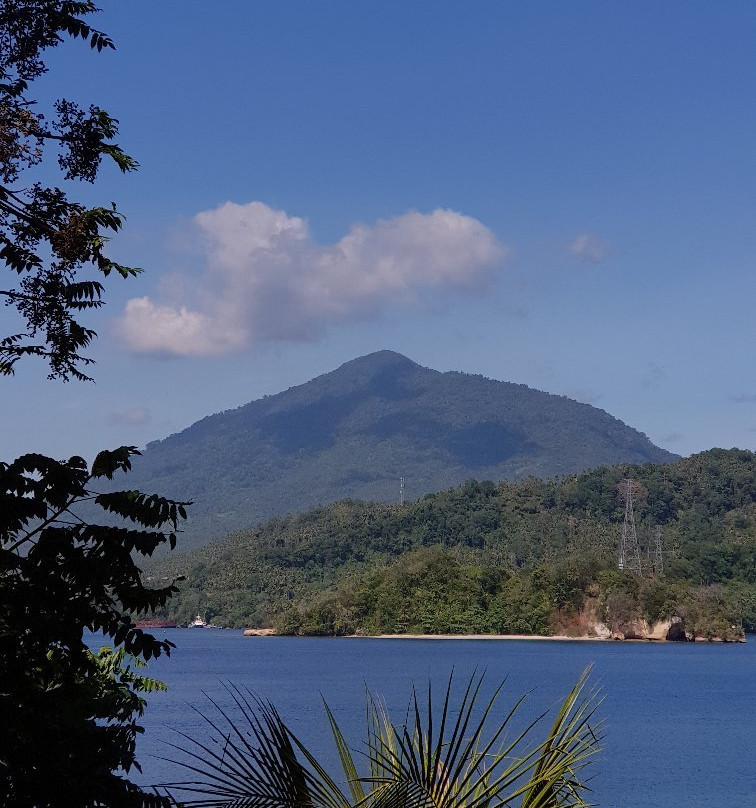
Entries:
{"x":468,"y":756}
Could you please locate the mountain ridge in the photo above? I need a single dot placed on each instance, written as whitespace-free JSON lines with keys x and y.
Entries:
{"x":353,"y":432}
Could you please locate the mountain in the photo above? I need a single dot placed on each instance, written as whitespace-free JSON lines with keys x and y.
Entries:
{"x":354,"y":432}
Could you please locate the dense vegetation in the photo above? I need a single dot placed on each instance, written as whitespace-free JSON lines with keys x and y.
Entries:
{"x":69,"y":718}
{"x":354,"y":432}
{"x":532,"y":557}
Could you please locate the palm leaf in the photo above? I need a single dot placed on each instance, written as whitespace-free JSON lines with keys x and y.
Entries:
{"x":466,"y":770}
{"x":257,"y":767}
{"x":346,"y":759}
{"x":474,"y":759}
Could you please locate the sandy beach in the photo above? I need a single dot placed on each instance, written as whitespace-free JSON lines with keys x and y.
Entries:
{"x":560,"y":637}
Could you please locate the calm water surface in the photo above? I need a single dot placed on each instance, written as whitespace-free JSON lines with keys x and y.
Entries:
{"x":680,"y":719}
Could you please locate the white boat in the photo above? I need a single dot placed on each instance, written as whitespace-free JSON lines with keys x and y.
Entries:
{"x":198,"y":622}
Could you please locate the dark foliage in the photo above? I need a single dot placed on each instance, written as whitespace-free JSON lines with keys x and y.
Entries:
{"x":47,"y":240}
{"x":68,"y":717}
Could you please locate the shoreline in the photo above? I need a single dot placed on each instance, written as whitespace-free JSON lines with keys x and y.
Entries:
{"x":551,"y":637}
{"x":527,"y":637}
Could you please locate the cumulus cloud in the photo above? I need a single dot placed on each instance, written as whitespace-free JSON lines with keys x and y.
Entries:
{"x":267,"y":280}
{"x":589,"y":248}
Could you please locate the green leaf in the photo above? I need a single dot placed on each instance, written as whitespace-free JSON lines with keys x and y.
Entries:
{"x":107,"y":463}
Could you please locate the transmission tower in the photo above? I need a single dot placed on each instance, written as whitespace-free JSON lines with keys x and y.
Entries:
{"x":629,"y":556}
{"x":401,"y":490}
{"x":658,"y":557}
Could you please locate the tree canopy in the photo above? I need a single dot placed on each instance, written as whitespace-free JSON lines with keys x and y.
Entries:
{"x":54,"y":247}
{"x":524,"y":558}
{"x":68,"y":716}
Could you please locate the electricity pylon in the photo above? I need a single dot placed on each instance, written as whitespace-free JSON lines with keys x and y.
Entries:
{"x":658,"y":557}
{"x":629,"y":555}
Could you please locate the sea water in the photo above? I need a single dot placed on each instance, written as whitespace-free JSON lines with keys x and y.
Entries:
{"x":679,"y":719}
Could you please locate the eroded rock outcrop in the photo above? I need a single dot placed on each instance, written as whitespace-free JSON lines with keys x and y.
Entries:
{"x":672,"y":630}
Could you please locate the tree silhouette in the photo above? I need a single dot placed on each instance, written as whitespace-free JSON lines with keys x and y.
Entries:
{"x":68,"y":716}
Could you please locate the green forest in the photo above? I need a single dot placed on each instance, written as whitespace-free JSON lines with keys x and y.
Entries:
{"x":346,"y":434}
{"x":533,"y":557}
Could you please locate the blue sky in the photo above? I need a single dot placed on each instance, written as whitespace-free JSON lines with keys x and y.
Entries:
{"x":557,"y":194}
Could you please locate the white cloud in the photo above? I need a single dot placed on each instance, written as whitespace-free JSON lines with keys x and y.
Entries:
{"x":267,"y":280}
{"x":589,"y":248}
{"x":149,"y":327}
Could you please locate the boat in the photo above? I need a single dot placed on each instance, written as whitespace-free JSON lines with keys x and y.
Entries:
{"x":198,"y":622}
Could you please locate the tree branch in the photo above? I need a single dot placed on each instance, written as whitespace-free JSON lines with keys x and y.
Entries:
{"x":21,"y":212}
{"x":47,"y":522}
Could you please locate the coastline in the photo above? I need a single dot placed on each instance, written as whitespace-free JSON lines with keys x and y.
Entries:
{"x":551,"y":637}
{"x":264,"y":632}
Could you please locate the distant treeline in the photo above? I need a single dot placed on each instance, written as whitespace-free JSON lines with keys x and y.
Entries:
{"x":530,"y":557}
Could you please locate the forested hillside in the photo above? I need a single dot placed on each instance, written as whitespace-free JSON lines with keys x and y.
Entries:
{"x":525,"y":557}
{"x":354,"y":432}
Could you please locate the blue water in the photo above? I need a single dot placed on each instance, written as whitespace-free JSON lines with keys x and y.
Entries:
{"x":680,"y":719}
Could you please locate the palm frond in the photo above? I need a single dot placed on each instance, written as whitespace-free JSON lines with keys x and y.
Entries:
{"x":475,"y":767}
{"x":565,"y":751}
{"x":256,"y":766}
{"x":345,"y":757}
{"x":460,"y":756}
